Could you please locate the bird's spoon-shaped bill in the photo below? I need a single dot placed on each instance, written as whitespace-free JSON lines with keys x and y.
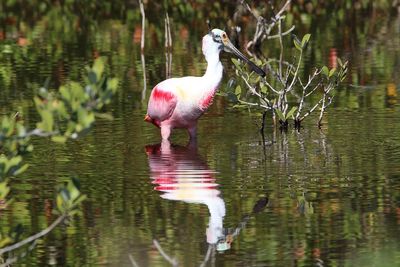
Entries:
{"x":229,"y":47}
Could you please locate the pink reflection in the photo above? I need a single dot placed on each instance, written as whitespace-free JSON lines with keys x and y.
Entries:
{"x":180,"y":174}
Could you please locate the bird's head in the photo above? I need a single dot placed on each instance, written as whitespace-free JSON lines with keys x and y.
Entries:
{"x":217,"y":40}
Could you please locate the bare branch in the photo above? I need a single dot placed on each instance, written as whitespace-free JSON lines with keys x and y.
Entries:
{"x":254,"y":104}
{"x":313,"y":90}
{"x":281,"y":46}
{"x":244,"y":3}
{"x":311,"y":110}
{"x":283,"y":9}
{"x":283,"y":34}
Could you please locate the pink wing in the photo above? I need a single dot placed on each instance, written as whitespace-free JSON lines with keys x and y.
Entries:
{"x":161,"y":105}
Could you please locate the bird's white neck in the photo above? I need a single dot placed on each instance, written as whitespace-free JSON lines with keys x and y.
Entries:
{"x":214,"y":69}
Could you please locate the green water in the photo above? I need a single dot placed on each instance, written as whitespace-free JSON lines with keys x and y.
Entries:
{"x":327,"y":197}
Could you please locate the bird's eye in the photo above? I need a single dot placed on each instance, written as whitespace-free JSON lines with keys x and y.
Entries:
{"x":217,"y":38}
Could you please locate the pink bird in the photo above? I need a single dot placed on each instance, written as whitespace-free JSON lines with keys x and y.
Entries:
{"x":179,"y":102}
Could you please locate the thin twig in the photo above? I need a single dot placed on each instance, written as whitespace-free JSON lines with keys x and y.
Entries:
{"x":304,"y":95}
{"x":281,"y":46}
{"x":283,"y":9}
{"x":311,"y":110}
{"x":283,"y":34}
{"x":244,"y":3}
{"x":254,"y":104}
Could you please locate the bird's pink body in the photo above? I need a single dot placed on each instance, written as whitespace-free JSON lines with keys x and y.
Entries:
{"x":179,"y":102}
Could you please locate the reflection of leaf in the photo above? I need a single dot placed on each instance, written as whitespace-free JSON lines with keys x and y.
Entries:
{"x":59,"y":138}
{"x":4,"y":190}
{"x":92,"y":77}
{"x":264,"y":89}
{"x":98,"y":67}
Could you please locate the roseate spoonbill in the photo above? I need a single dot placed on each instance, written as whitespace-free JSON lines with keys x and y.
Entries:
{"x":179,"y":102}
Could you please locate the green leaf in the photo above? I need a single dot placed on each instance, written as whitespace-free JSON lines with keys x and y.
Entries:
{"x":305,"y":39}
{"x":98,"y":67}
{"x":236,"y":62}
{"x":340,"y":62}
{"x":291,"y":112}
{"x":232,"y":97}
{"x":325,"y":71}
{"x":47,"y":122}
{"x":331,"y":72}
{"x":280,"y":115}
{"x":4,"y":190}
{"x":297,"y":44}
{"x":264,"y":89}
{"x":238,"y":90}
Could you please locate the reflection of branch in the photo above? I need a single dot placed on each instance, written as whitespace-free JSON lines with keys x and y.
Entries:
{"x":144,"y":76}
{"x":143,"y":23}
{"x":34,"y":237}
{"x":134,"y":263}
{"x":207,"y":257}
{"x":142,"y":49}
{"x":172,"y":261}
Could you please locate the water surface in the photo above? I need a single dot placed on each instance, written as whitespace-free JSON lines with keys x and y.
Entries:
{"x":328,"y":197}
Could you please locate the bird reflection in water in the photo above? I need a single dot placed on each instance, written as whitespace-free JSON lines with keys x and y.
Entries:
{"x":180,"y":174}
